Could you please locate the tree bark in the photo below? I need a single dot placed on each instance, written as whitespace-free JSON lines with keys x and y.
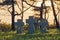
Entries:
{"x":54,"y":13}
{"x":13,"y":10}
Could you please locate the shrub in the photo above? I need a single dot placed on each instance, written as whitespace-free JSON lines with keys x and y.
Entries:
{"x":5,"y":27}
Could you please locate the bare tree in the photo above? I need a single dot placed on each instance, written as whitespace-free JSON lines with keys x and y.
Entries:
{"x":54,"y":13}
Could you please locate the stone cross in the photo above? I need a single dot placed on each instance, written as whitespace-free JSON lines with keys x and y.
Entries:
{"x":31,"y":21}
{"x":43,"y":24}
{"x":19,"y":25}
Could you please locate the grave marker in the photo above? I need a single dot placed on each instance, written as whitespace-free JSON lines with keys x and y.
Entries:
{"x":31,"y":21}
{"x":43,"y":24}
{"x":19,"y":25}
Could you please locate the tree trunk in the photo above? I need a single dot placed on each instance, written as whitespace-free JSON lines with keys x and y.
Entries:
{"x":54,"y":13}
{"x":13,"y":28}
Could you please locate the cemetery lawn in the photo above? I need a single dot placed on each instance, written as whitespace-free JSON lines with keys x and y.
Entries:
{"x":52,"y":34}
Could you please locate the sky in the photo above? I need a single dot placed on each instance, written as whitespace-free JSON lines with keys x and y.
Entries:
{"x":5,"y":16}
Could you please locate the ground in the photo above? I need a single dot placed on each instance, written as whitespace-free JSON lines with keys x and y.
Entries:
{"x":52,"y":34}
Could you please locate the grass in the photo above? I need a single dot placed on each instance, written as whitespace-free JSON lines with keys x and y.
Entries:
{"x":51,"y":35}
